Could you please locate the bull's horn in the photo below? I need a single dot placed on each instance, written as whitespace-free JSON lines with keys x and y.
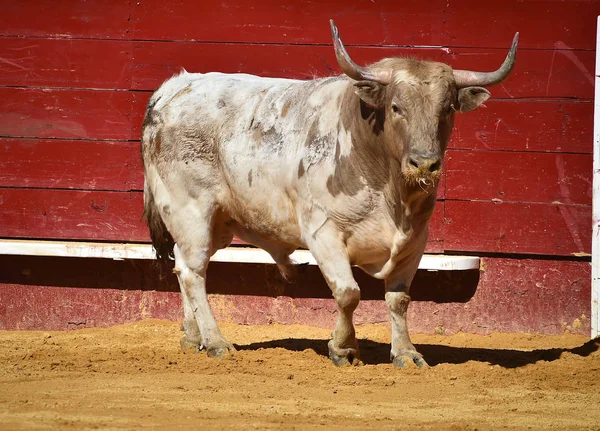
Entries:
{"x":467,"y":78}
{"x":350,"y":68}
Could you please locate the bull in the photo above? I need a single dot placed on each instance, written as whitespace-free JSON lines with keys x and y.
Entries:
{"x":345,"y":166}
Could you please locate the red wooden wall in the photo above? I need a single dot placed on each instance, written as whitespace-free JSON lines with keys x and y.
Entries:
{"x":75,"y":77}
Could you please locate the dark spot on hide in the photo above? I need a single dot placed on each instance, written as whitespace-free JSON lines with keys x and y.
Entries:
{"x":221,"y":104}
{"x":316,"y":142}
{"x":374,"y":116}
{"x":271,"y":138}
{"x":368,"y":164}
{"x":197,"y":144}
{"x":300,"y":169}
{"x":250,"y":177}
{"x":166,"y":210}
{"x":157,"y":144}
{"x":285,"y":109}
{"x":345,"y":179}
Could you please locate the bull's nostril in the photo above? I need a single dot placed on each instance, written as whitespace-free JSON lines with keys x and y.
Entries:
{"x":412,"y":162}
{"x":435,"y":166}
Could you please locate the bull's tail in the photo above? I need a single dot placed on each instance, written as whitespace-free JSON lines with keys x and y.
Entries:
{"x":161,"y":238}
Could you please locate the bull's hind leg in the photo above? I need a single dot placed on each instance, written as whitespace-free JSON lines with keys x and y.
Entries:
{"x":191,"y":340}
{"x":332,"y":258}
{"x":192,"y":255}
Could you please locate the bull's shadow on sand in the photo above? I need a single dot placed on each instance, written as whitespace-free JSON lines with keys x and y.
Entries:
{"x":373,"y":352}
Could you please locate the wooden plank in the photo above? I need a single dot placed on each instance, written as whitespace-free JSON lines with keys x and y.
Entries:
{"x":48,"y":18}
{"x":72,"y":214}
{"x":65,"y":63}
{"x":87,"y":114}
{"x":517,"y":228}
{"x":508,"y":295}
{"x":505,"y":125}
{"x":99,"y":215}
{"x":519,"y":177}
{"x":537,"y":74}
{"x":543,"y":23}
{"x":457,"y":23}
{"x":90,"y":165}
{"x":526,"y":126}
{"x":553,"y":126}
{"x":82,"y":64}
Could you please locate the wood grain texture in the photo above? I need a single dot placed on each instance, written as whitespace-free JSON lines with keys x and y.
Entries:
{"x":72,"y":214}
{"x":553,"y":126}
{"x":543,"y":23}
{"x":512,"y":295}
{"x":537,"y":73}
{"x":65,"y":63}
{"x":467,"y":175}
{"x":560,"y":126}
{"x":145,"y":65}
{"x":503,"y":125}
{"x":456,"y":225}
{"x":66,"y":19}
{"x":519,"y":176}
{"x":60,"y":164}
{"x":99,"y":215}
{"x":81,"y":114}
{"x":456,"y":23}
{"x":517,"y":228}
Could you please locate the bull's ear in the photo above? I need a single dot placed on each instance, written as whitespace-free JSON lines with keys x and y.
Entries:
{"x":372,"y":93}
{"x":470,"y":98}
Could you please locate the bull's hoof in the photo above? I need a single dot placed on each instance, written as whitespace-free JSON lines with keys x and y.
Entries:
{"x":221,"y":352}
{"x":190,"y":346}
{"x":409,"y":357}
{"x":343,"y":357}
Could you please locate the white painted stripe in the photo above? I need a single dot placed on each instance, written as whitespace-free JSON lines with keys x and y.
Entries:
{"x":119,"y":251}
{"x":595,"y":318}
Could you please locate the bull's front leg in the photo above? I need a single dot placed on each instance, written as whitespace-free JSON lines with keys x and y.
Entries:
{"x":397,"y":287}
{"x":332,"y":258}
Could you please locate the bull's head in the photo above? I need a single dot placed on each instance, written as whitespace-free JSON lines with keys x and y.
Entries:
{"x":417,"y":101}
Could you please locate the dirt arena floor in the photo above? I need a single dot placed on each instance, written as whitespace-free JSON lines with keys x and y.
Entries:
{"x":134,"y":376}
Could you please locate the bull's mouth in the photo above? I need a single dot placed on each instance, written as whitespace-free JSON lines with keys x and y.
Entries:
{"x":423,"y":178}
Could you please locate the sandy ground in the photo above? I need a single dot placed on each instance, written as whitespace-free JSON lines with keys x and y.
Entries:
{"x":134,"y":376}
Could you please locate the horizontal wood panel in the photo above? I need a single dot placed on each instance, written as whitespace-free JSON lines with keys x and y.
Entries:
{"x":99,"y":215}
{"x":468,"y":175}
{"x":466,"y":226}
{"x":512,"y":295}
{"x":542,"y":23}
{"x":145,"y":65}
{"x":72,"y":214}
{"x":45,"y":113}
{"x":65,"y":19}
{"x":564,"y":127}
{"x":101,"y":165}
{"x":65,"y":63}
{"x":537,"y":74}
{"x":411,"y":22}
{"x":526,"y":126}
{"x":519,"y":176}
{"x":517,"y":228}
{"x":78,"y":164}
{"x":501,"y":125}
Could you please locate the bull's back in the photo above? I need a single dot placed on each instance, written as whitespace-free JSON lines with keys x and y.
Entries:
{"x":226,"y":134}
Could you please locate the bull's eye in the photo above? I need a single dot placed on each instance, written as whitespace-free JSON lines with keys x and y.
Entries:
{"x":397,"y":110}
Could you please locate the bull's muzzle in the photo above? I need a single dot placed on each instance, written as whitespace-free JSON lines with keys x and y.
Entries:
{"x":423,"y":169}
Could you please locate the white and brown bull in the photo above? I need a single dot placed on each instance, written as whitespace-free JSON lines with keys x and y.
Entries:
{"x":346,"y":166}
